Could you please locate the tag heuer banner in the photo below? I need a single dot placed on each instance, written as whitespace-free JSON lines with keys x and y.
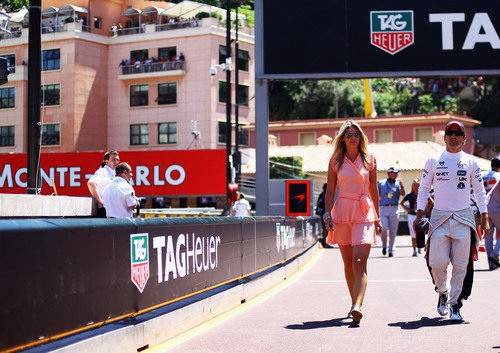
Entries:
{"x":337,"y":38}
{"x":391,"y":31}
{"x":139,"y":260}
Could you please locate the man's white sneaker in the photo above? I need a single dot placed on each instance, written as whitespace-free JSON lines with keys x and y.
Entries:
{"x":442,"y":306}
{"x":455,"y":313}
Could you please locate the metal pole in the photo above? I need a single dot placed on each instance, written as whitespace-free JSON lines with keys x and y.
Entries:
{"x":228,"y":101}
{"x":237,"y":159}
{"x":261,"y":118}
{"x":34,"y":95}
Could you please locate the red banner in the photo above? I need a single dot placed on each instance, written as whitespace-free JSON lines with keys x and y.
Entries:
{"x":191,"y":172}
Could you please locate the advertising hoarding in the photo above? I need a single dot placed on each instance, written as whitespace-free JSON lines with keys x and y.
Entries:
{"x":190,"y":172}
{"x":334,"y":38}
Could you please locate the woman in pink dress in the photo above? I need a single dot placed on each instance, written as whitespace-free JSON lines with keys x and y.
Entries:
{"x":354,"y":220}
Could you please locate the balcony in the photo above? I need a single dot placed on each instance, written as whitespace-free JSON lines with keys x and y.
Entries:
{"x":158,"y":69}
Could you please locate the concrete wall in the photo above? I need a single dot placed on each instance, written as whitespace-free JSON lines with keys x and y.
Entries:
{"x":15,"y":205}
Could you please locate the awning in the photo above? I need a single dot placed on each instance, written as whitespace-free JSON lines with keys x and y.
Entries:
{"x":50,"y":11}
{"x":69,"y":9}
{"x":153,"y":10}
{"x":131,"y":12}
{"x":19,"y":15}
{"x":188,"y":9}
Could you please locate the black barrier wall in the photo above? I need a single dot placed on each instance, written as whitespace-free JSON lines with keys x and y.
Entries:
{"x":61,"y":275}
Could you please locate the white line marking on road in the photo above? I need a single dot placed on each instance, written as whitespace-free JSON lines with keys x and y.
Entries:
{"x":388,"y":280}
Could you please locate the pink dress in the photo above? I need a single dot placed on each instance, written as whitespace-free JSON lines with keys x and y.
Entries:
{"x":353,"y":213}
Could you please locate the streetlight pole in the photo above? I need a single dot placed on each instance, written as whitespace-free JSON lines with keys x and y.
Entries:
{"x":228,"y":100}
{"x":237,"y":157}
{"x":34,"y":95}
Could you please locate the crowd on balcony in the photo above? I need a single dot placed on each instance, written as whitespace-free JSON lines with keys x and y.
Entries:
{"x":174,"y":22}
{"x":165,"y":23}
{"x":134,"y":66}
{"x":447,"y":87}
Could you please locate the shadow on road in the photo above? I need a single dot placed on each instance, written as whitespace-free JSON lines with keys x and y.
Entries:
{"x":311,"y":325}
{"x":425,"y":322}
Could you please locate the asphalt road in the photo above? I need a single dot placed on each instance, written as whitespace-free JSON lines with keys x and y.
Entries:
{"x":307,"y":313}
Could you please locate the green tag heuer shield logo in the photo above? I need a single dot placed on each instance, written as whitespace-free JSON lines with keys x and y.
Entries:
{"x":139,"y":260}
{"x":391,"y":31}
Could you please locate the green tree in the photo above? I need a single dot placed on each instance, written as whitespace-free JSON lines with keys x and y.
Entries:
{"x":487,"y":110}
{"x":14,"y":5}
{"x":426,"y":104}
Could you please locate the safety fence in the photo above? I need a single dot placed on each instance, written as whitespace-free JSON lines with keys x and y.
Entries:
{"x":63,"y":276}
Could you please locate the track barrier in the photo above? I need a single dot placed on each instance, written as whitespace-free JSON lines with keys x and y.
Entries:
{"x":64,"y":276}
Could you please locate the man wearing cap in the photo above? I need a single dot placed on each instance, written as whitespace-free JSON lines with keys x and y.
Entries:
{"x":389,"y":191}
{"x":452,"y":235}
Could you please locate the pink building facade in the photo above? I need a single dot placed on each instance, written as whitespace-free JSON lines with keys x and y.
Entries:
{"x":92,"y":101}
{"x":378,"y":130}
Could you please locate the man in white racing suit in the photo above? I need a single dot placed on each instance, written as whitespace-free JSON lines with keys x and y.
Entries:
{"x":452,"y":234}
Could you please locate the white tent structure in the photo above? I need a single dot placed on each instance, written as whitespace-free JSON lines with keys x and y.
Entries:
{"x":189,"y":9}
{"x":19,"y":16}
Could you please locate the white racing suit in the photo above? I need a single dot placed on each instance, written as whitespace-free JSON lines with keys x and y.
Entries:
{"x":452,"y":232}
{"x":452,"y":238}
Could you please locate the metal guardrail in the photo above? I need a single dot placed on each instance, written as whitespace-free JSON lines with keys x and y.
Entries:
{"x":126,"y":31}
{"x":177,"y":25}
{"x":152,"y":67}
{"x":54,"y":29}
{"x":179,"y":212}
{"x":14,"y":34}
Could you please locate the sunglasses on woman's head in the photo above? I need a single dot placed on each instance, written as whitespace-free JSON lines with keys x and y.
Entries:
{"x":454,"y":132}
{"x":351,"y":134}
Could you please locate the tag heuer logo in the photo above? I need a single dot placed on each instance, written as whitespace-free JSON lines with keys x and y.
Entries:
{"x":391,"y":31}
{"x":139,"y":260}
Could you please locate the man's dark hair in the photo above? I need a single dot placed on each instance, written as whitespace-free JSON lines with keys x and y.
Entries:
{"x":495,"y":163}
{"x":242,"y":196}
{"x":120,"y":168}
{"x":107,"y":156}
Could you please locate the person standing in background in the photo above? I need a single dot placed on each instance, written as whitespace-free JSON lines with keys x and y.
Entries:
{"x":241,"y":208}
{"x":102,"y":178}
{"x":320,"y":211}
{"x":389,"y":191}
{"x":492,"y":245}
{"x":119,"y":196}
{"x":411,"y":209}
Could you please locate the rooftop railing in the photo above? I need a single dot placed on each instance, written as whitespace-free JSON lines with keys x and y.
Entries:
{"x":126,"y":31}
{"x":177,"y":25}
{"x":54,"y":28}
{"x":14,"y":34}
{"x":152,"y":67}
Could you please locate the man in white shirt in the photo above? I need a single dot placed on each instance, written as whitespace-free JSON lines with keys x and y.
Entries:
{"x":242,"y":207}
{"x":490,"y":179}
{"x":453,"y":233}
{"x":119,"y":197}
{"x":102,"y":178}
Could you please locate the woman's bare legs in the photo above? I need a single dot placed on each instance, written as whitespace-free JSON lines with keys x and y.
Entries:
{"x":346,"y":251}
{"x":359,"y":258}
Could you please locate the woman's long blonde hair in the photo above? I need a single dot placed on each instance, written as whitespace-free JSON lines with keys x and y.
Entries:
{"x":339,"y":150}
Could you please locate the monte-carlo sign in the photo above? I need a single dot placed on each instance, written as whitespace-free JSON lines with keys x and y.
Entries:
{"x":176,"y":172}
{"x":337,"y":38}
